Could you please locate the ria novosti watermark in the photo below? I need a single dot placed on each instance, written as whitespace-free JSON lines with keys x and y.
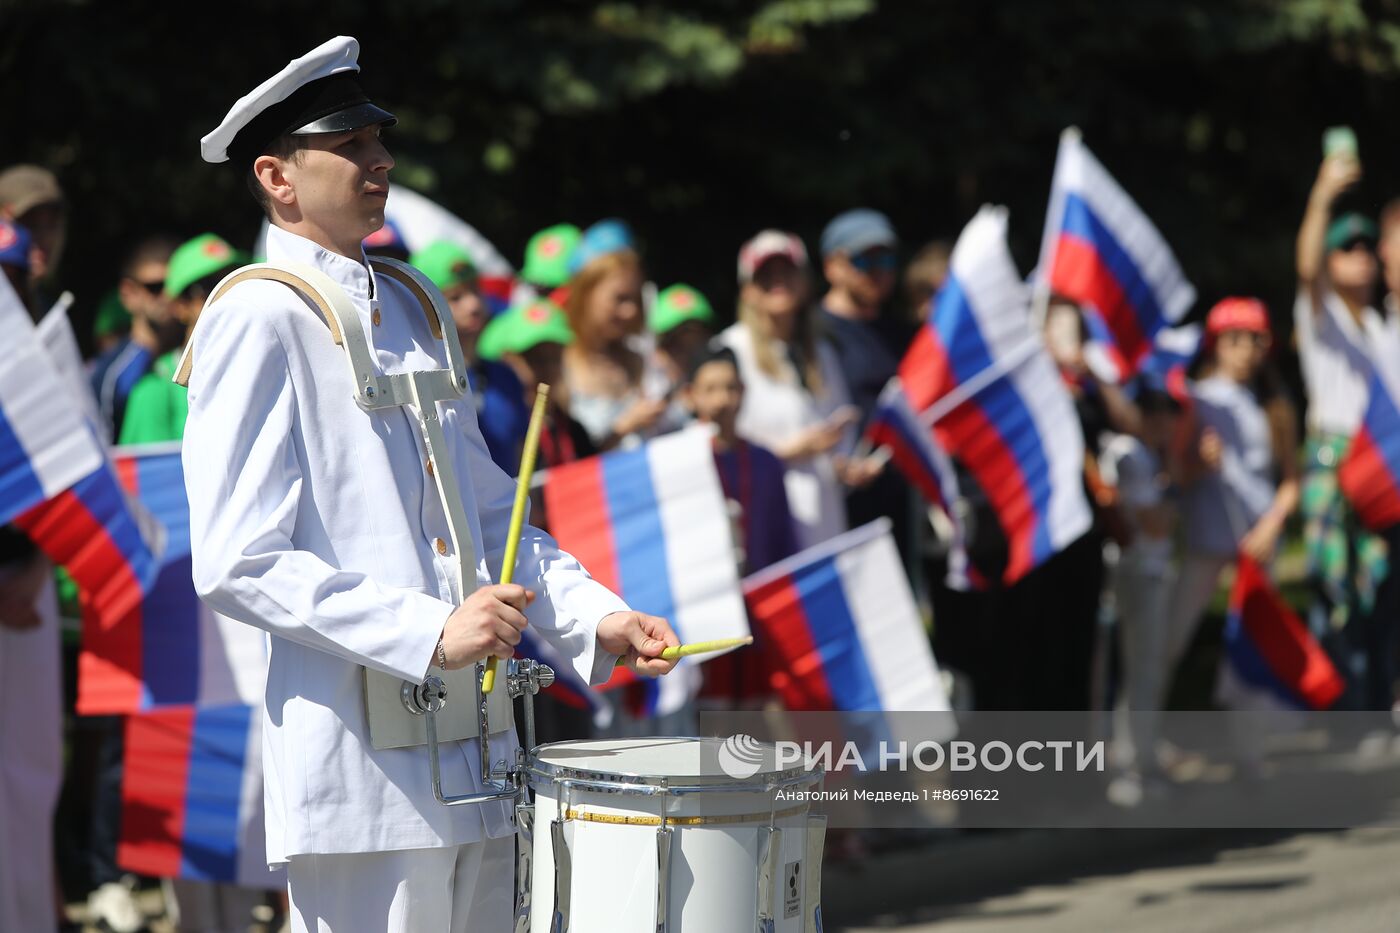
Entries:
{"x":1209,"y":769}
{"x":737,"y":756}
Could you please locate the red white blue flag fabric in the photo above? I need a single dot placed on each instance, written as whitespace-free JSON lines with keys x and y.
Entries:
{"x":979,"y":374}
{"x":842,"y":625}
{"x":45,"y":446}
{"x":896,"y":427}
{"x":650,"y":523}
{"x":165,"y":648}
{"x":1101,"y":251}
{"x":192,"y":796}
{"x":1369,"y":474}
{"x":1273,"y":661}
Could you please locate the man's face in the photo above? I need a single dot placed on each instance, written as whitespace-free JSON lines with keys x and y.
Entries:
{"x":869,"y":276}
{"x":142,"y":293}
{"x":47,"y":224}
{"x":341,"y":182}
{"x":715,"y":394}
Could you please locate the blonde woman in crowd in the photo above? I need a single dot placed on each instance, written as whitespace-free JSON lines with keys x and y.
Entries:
{"x":796,"y":402}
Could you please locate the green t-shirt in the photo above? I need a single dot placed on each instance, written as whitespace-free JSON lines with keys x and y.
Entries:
{"x":157,"y":408}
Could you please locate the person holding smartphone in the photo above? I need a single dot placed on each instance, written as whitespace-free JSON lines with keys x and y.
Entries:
{"x":1337,"y":329}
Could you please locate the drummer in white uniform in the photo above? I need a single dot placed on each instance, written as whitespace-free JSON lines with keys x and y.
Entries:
{"x":320,"y":523}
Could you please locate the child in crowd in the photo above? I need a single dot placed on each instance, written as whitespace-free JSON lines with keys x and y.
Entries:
{"x":1138,"y":468}
{"x":752,"y":478}
{"x":682,"y":322}
{"x":530,"y":338}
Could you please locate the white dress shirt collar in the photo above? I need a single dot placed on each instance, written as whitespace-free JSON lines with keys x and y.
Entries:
{"x":352,"y":275}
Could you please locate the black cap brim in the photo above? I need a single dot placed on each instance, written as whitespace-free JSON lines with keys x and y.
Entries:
{"x":351,"y":118}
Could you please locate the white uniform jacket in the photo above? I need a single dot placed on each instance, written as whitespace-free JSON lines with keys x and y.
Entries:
{"x":318,"y":522}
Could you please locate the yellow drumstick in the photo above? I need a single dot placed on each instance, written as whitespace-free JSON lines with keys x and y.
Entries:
{"x":517,"y":513}
{"x":702,"y":647}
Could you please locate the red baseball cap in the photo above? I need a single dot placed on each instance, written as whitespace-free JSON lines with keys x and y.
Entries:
{"x":1237,"y":314}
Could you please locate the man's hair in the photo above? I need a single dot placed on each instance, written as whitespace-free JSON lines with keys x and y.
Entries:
{"x":283,"y":147}
{"x":156,"y":248}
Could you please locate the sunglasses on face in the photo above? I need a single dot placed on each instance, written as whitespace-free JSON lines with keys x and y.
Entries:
{"x":1356,"y":243}
{"x":881,"y":259}
{"x":155,"y":288}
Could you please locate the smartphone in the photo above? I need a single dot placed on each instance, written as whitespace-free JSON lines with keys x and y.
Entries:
{"x":1339,"y":140}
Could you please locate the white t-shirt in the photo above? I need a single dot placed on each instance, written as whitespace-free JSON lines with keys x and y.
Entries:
{"x":1135,"y":472}
{"x":1335,"y":353}
{"x":775,"y":409}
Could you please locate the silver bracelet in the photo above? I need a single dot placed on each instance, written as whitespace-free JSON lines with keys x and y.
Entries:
{"x":442,"y":655}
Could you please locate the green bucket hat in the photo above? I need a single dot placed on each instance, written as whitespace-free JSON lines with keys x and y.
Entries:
{"x":1348,"y":227}
{"x":443,"y":262}
{"x":197,"y":259}
{"x":112,"y":316}
{"x":547,"y":255}
{"x":524,"y":326}
{"x":678,"y":304}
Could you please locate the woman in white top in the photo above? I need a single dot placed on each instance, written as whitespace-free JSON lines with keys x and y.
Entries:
{"x":795,"y":399}
{"x":1338,"y":331}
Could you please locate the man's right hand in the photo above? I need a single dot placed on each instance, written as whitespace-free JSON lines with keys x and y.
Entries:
{"x":489,"y":623}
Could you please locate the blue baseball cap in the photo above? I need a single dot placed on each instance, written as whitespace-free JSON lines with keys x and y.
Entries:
{"x":14,"y":245}
{"x":856,"y":231}
{"x":604,"y":237}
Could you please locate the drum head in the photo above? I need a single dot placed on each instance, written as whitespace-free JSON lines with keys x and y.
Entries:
{"x":676,"y":760}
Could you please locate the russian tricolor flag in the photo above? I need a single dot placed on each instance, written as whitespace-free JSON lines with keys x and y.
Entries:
{"x":192,"y":796}
{"x":841,"y":621}
{"x":895,"y":427}
{"x":45,"y":447}
{"x":978,"y":373}
{"x":166,"y":648}
{"x":1370,"y":472}
{"x":1101,"y":251}
{"x":1273,"y":660}
{"x":651,"y":524}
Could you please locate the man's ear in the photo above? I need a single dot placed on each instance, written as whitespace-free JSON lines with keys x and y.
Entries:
{"x":687,"y":398}
{"x":271,"y":174}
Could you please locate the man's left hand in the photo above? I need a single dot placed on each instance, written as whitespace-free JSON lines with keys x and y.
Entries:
{"x":639,"y":639}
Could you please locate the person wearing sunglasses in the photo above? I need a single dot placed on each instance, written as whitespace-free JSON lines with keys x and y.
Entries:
{"x":861,"y":268}
{"x":1338,"y":331}
{"x":154,"y":330}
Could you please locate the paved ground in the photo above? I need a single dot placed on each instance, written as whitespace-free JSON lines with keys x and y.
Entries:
{"x":1313,"y":882}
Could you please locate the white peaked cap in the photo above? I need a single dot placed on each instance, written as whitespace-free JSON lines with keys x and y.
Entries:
{"x":298,"y":100}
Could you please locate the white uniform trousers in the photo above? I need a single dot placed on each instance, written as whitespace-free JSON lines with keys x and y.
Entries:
{"x":31,"y":767}
{"x":461,"y":889}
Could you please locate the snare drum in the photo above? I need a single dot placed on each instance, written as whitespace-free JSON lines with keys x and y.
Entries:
{"x":652,"y":834}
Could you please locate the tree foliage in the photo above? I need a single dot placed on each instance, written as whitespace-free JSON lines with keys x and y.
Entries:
{"x":703,"y":120}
